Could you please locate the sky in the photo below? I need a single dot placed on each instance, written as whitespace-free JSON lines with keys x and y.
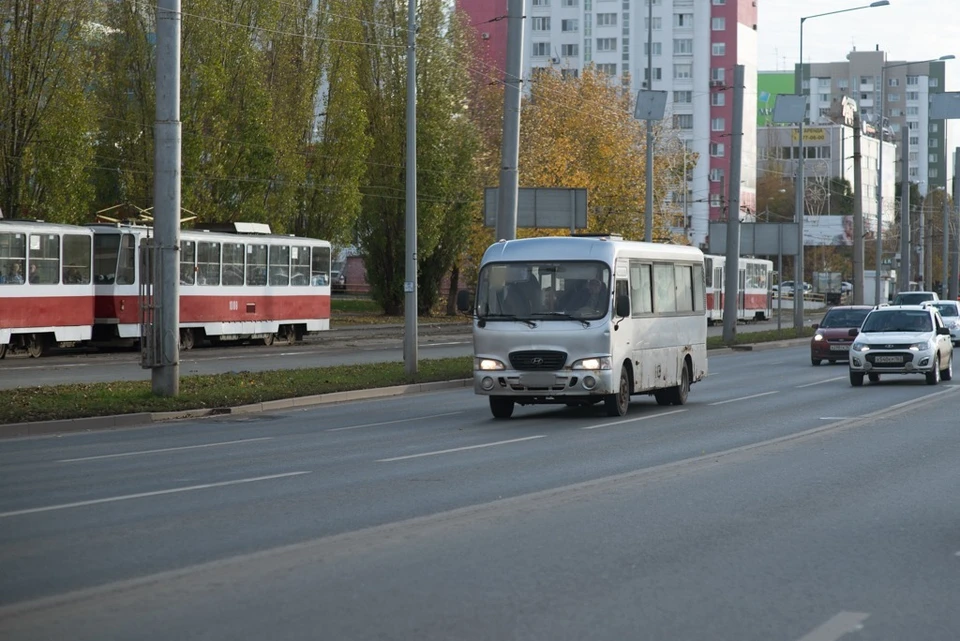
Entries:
{"x":906,"y":30}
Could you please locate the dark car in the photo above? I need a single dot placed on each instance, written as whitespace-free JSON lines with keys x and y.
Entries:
{"x":832,"y":339}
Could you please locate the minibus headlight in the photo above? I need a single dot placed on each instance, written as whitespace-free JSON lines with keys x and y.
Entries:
{"x":598,"y":362}
{"x":487,"y":364}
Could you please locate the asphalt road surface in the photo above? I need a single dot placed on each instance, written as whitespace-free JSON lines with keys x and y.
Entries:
{"x":372,"y":344}
{"x":778,"y":504}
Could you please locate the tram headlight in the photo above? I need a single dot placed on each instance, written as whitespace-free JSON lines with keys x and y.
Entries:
{"x":597,"y":362}
{"x":488,"y":364}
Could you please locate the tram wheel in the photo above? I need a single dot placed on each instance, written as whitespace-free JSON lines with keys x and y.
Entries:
{"x":36,"y":345}
{"x":268,"y":339}
{"x":287,"y":335}
{"x":3,"y":351}
{"x":187,"y":339}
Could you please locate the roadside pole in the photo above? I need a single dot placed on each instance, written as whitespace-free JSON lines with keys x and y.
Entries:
{"x":732,"y":262}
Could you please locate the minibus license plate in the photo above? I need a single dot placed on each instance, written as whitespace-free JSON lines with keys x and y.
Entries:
{"x":538,"y":379}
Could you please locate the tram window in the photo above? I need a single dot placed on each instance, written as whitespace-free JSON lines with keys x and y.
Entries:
{"x":208,"y":263}
{"x":76,"y":259}
{"x":320,"y":266}
{"x":188,"y":262}
{"x":44,"y":263}
{"x":106,"y":248}
{"x":641,"y":297}
{"x":279,"y":265}
{"x":699,"y":302}
{"x":664,"y":289}
{"x":684,"y":279}
{"x":126,"y":272}
{"x":233,"y":264}
{"x":256,"y":265}
{"x":13,"y":248}
{"x":299,"y":266}
{"x":709,"y":272}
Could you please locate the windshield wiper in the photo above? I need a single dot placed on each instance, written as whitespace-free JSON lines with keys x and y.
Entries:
{"x":565,"y":315}
{"x":528,"y":321}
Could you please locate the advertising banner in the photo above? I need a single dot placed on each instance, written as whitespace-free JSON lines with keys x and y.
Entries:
{"x":836,"y":231}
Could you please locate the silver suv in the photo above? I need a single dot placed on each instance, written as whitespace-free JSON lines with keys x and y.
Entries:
{"x":906,"y":339}
{"x":914,"y":298}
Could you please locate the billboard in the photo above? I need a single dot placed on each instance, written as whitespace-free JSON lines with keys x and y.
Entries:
{"x":836,"y":231}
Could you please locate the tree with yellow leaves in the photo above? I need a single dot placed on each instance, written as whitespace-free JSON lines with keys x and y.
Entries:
{"x":580,"y":132}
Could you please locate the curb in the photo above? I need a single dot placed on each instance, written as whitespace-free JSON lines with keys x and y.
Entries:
{"x":142,"y":419}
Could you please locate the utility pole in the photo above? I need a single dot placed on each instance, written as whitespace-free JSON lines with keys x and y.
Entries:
{"x":732,"y":263}
{"x":510,"y":149}
{"x":928,"y":246}
{"x":857,"y":215}
{"x":955,"y":254}
{"x":165,"y":375}
{"x":410,"y":356}
{"x":648,"y":218}
{"x":903,"y":278}
{"x":945,"y":258}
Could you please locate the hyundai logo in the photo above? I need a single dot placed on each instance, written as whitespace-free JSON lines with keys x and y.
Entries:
{"x":537,"y":361}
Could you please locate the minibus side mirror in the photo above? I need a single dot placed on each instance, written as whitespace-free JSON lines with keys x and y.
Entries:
{"x":464,"y":304}
{"x":623,"y":306}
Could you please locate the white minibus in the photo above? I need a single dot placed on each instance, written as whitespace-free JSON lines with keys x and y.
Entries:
{"x":579,"y":320}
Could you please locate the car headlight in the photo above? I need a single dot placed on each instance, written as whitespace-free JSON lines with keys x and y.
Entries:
{"x":860,"y":347}
{"x":487,"y":364}
{"x":818,"y":337}
{"x":919,"y":347}
{"x":598,"y":362}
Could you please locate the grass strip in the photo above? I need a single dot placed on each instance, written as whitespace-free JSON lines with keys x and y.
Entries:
{"x":48,"y":403}
{"x":218,"y":390}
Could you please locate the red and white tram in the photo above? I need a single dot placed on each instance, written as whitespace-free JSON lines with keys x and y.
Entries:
{"x":46,"y":290}
{"x":63,"y":284}
{"x":755,"y":300}
{"x":241,"y":284}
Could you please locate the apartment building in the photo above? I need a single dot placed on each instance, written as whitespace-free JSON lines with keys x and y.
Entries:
{"x":905,"y":107}
{"x":828,"y":150}
{"x":695,"y":46}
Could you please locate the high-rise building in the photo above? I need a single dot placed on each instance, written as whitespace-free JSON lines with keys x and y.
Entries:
{"x":695,"y":46}
{"x":905,"y":108}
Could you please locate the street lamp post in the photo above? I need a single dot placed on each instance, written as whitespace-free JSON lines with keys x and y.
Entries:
{"x":798,"y":276}
{"x":883,"y":84}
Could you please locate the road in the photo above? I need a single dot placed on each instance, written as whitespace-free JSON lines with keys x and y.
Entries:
{"x":778,"y":504}
{"x":358,"y":345}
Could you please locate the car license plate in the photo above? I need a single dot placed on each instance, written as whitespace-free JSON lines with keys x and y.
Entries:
{"x":538,"y":379}
{"x":839,"y":348}
{"x":888,"y":359}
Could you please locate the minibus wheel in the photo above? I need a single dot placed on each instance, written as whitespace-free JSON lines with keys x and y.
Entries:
{"x":618,"y":403}
{"x":501,"y":407}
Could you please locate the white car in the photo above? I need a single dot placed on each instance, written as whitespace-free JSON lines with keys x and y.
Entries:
{"x":907,"y":339}
{"x":846,"y":287}
{"x":950,"y":313}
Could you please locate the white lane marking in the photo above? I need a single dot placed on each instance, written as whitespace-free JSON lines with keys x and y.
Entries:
{"x":836,"y":627}
{"x":445,"y":344}
{"x":459,"y":449}
{"x":399,"y":420}
{"x":631,"y":420}
{"x":165,"y":449}
{"x":828,"y":380}
{"x":127,"y":497}
{"x":834,"y":418}
{"x":744,"y":398}
{"x":50,"y":367}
